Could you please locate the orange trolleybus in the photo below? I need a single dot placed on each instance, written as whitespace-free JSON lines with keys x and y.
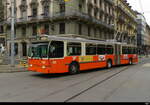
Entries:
{"x":53,"y":54}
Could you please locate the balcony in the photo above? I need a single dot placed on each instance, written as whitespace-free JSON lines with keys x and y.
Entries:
{"x":121,"y":18}
{"x":127,"y":13}
{"x":21,"y":20}
{"x":45,"y":16}
{"x":63,"y":16}
{"x":33,"y":18}
{"x":110,"y":1}
{"x":83,"y":16}
{"x":129,"y":25}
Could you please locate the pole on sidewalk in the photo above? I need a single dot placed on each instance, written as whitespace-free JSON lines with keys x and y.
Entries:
{"x":12,"y":32}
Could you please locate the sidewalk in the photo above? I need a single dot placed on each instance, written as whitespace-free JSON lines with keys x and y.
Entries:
{"x":5,"y":66}
{"x":9,"y":69}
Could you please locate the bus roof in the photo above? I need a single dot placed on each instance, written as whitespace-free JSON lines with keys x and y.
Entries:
{"x":77,"y":39}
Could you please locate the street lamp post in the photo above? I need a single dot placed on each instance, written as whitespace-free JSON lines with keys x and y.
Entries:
{"x":12,"y":31}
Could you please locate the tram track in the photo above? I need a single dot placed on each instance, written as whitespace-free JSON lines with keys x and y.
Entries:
{"x":116,"y":71}
{"x":80,"y":82}
{"x":110,"y":73}
{"x":96,"y":84}
{"x":104,"y":80}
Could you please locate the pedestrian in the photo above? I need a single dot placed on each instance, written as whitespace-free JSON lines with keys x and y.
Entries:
{"x":2,"y":49}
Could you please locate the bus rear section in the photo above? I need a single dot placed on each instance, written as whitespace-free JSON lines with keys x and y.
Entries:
{"x":129,"y":55}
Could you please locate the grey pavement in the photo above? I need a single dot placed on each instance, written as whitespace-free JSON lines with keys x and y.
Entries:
{"x":131,"y":85}
{"x":5,"y":66}
{"x":9,"y":69}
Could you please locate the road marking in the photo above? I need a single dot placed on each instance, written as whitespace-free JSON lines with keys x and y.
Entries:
{"x":146,"y":65}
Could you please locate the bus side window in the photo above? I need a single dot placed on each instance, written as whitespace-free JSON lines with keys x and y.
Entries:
{"x":135,"y":51}
{"x":101,"y":50}
{"x":56,"y":49}
{"x":124,"y":50}
{"x":74,"y":49}
{"x":90,"y":49}
{"x":109,"y":49}
{"x":129,"y":50}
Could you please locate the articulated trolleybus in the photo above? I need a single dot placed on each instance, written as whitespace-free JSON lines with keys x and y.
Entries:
{"x":53,"y":54}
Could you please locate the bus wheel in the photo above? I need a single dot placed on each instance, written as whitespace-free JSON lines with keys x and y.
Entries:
{"x":130,"y":61}
{"x":73,"y":68}
{"x":109,"y":64}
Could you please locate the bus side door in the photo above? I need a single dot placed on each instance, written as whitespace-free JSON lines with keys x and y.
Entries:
{"x":117,"y":54}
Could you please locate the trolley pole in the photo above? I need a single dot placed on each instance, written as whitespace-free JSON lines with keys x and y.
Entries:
{"x":12,"y":32}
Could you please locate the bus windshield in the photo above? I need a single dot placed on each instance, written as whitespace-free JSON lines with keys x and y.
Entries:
{"x":38,"y":50}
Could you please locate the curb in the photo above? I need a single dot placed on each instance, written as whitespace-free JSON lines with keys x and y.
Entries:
{"x":9,"y":70}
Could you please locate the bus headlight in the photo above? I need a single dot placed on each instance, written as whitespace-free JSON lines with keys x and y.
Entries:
{"x":31,"y":65}
{"x":43,"y":67}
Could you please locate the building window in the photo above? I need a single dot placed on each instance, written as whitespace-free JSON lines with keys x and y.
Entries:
{"x":62,"y":28}
{"x":95,"y":1}
{"x":80,"y":29}
{"x":90,"y":11}
{"x":46,"y":10}
{"x":1,"y":29}
{"x":24,"y":14}
{"x":2,"y":41}
{"x":23,"y":9}
{"x":62,"y":8}
{"x":95,"y":13}
{"x":46,"y":27}
{"x":15,"y":32}
{"x":24,"y":49}
{"x":52,"y":28}
{"x":95,"y":32}
{"x":89,"y":30}
{"x":16,"y":49}
{"x":23,"y":31}
{"x":34,"y":30}
{"x":34,"y":12}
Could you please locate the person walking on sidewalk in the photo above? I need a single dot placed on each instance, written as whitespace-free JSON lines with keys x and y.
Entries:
{"x":2,"y":49}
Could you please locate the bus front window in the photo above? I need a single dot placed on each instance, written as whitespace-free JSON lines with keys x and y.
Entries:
{"x":56,"y":49}
{"x":38,"y":50}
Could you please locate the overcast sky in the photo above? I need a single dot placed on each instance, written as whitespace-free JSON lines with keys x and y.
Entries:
{"x":141,"y":6}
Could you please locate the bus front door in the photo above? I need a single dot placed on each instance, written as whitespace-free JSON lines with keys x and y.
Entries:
{"x":117,"y":54}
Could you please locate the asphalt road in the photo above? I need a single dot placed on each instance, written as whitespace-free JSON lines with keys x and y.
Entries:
{"x":119,"y":84}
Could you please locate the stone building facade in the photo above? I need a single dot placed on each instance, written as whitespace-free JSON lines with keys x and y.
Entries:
{"x":2,"y":18}
{"x":147,"y":43}
{"x":126,"y":24}
{"x":143,"y":36}
{"x":97,"y":19}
